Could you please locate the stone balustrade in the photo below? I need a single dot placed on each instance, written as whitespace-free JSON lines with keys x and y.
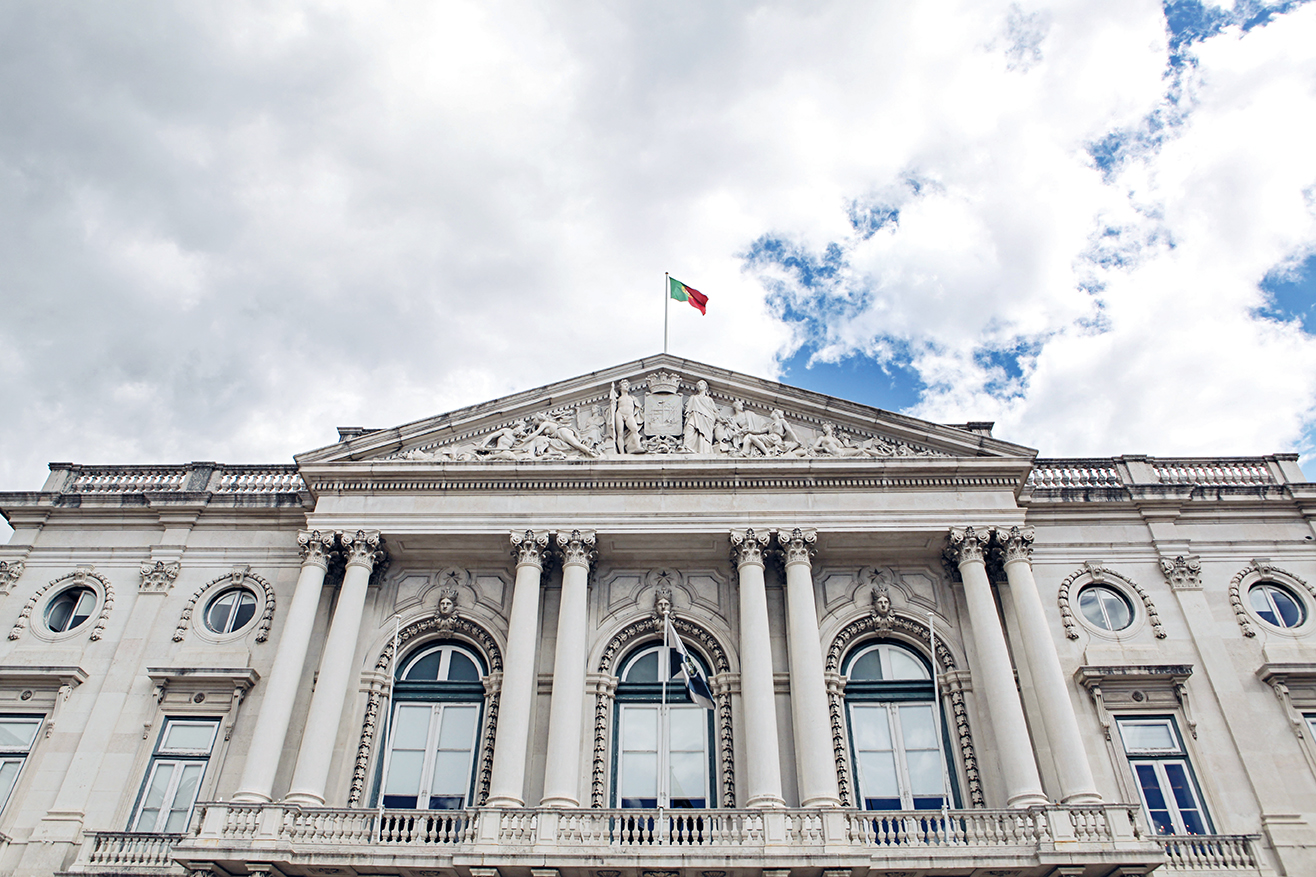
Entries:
{"x":123,"y":852}
{"x":219,"y":478}
{"x":1144,"y":472}
{"x":1216,"y":854}
{"x":296,"y":838}
{"x":1060,"y":474}
{"x":1213,"y":473}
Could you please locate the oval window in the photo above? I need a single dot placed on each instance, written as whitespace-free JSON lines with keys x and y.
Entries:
{"x":70,"y":609}
{"x":230,"y":610}
{"x":1276,"y":605}
{"x":1105,"y":607}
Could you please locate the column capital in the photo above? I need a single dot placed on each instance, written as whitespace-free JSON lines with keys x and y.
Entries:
{"x":796,"y":544}
{"x":1183,"y":571}
{"x":747,"y":546}
{"x":577,"y":547}
{"x":315,"y":546}
{"x":1016,"y":543}
{"x":528,"y":547}
{"x":363,"y":548}
{"x":967,"y":545}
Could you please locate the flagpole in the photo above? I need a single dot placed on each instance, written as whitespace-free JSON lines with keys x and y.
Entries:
{"x":666,"y":308}
{"x":664,"y":743}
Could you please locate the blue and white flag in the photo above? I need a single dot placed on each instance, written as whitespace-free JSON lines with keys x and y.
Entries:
{"x":680,"y":663}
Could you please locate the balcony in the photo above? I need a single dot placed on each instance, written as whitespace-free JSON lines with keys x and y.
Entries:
{"x":622,"y":843}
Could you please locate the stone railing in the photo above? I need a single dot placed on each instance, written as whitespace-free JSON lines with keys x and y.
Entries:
{"x":1152,"y":473}
{"x":122,"y":852}
{"x":1213,"y":473}
{"x":297,"y":839}
{"x":1210,"y":854}
{"x":183,"y":478}
{"x":1059,"y":474}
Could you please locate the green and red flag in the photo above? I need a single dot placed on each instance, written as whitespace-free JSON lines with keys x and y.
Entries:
{"x":681,"y":292}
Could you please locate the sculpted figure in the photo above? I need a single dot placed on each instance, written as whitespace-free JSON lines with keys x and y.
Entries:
{"x":700,"y":418}
{"x":728,"y":431}
{"x":774,"y":440}
{"x":628,"y":417}
{"x":829,"y":444}
{"x":554,"y":436}
{"x":589,"y":425}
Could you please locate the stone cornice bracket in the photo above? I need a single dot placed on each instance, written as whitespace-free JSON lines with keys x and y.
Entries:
{"x":315,"y":547}
{"x":529,"y":547}
{"x":1183,"y":572}
{"x":747,"y":546}
{"x":1015,"y":543}
{"x":159,"y":577}
{"x":796,"y":545}
{"x":1283,"y":678}
{"x":967,"y":545}
{"x":10,"y":570}
{"x":577,"y":547}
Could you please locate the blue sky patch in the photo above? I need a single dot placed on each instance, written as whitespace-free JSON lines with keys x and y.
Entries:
{"x":893,"y":385}
{"x":1292,"y":295}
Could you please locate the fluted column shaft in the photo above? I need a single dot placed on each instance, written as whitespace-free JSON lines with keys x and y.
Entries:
{"x":814,"y":759}
{"x":566,"y":709}
{"x":763,"y":770}
{"x":1023,"y":786}
{"x":507,"y":782}
{"x":280,"y":687}
{"x":311,"y":775}
{"x":1072,"y":767}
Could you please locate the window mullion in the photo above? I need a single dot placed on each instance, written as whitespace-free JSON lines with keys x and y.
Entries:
{"x":431,"y":753}
{"x":167,"y":801}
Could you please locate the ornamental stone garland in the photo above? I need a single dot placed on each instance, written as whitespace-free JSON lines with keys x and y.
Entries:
{"x":238,"y":578}
{"x":78,"y":577}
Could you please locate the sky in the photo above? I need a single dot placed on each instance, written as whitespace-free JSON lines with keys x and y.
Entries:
{"x":228,"y":228}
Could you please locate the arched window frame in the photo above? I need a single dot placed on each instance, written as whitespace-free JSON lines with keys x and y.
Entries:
{"x":898,"y":692}
{"x":651,"y":693}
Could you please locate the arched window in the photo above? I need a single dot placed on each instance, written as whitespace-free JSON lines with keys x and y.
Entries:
{"x":660,"y":763}
{"x":896,"y":730}
{"x":434,"y":728}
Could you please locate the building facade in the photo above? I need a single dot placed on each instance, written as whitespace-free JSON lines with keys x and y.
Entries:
{"x":447,"y":649}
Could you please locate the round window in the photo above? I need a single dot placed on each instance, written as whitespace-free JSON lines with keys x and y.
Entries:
{"x":1276,"y":605}
{"x":1105,"y":607}
{"x":70,"y":609}
{"x":230,"y":610}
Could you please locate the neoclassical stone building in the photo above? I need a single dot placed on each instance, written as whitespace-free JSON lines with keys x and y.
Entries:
{"x":440,"y":649}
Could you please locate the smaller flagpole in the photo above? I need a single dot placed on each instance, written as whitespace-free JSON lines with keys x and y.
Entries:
{"x":666,"y":307}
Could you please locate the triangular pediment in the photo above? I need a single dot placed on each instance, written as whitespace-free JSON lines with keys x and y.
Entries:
{"x":656,"y":407}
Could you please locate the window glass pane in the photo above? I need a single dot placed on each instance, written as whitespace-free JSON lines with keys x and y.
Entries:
{"x":412,"y":728}
{"x":184,"y":797}
{"x":1185,"y":797}
{"x":924,"y":772}
{"x":190,"y":736}
{"x":877,"y":774}
{"x":639,"y":775}
{"x":687,"y":728}
{"x":870,"y":727}
{"x":426,"y":669}
{"x":17,"y":734}
{"x":8,"y":774}
{"x":1117,"y":610}
{"x":404,"y":772}
{"x":1150,"y":736}
{"x":452,"y":773}
{"x":1290,"y":612}
{"x":153,"y":800}
{"x":86,"y":606}
{"x":917,"y":727}
{"x":643,"y":668}
{"x":640,"y":728}
{"x":458,"y":728}
{"x":1153,"y":798}
{"x":59,"y":613}
{"x":905,"y":665}
{"x":462,"y":668}
{"x":689,"y":770}
{"x":246,"y":608}
{"x":866,"y":667}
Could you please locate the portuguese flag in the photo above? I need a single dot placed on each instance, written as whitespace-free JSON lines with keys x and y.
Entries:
{"x":681,"y":292}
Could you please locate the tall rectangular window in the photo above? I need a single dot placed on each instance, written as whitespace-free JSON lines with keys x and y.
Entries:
{"x":663,"y":766}
{"x":174,"y":778}
{"x":431,"y":755}
{"x":1165,"y":779}
{"x":16,"y":736}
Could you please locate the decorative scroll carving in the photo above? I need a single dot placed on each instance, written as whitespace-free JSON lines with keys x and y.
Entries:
{"x":159,"y":577}
{"x":315,"y":547}
{"x":797,"y":545}
{"x":10,"y":570}
{"x":603,"y":698}
{"x":1099,"y":574}
{"x":471,"y":633}
{"x":967,"y":544}
{"x":1184,"y":572}
{"x":953,"y":692}
{"x":1015,"y":543}
{"x":528,"y":547}
{"x":747,"y":546}
{"x":238,"y":577}
{"x":577,"y":547}
{"x":1260,"y":568}
{"x":82,"y":576}
{"x":365,"y":548}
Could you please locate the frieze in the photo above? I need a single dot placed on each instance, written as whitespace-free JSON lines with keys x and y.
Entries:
{"x":654,"y":416}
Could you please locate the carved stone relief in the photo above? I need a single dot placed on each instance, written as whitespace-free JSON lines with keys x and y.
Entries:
{"x":661,"y":419}
{"x":158,"y":578}
{"x":691,"y":634}
{"x":445,"y":627}
{"x":10,"y":570}
{"x":953,"y":691}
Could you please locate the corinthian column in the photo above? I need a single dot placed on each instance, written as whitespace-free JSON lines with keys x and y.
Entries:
{"x":286,"y":675}
{"x":507,"y":782}
{"x":814,"y":759}
{"x":1071,"y":760}
{"x":562,"y":775}
{"x":309,"y":779}
{"x":763,"y":776}
{"x":1023,"y":787}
